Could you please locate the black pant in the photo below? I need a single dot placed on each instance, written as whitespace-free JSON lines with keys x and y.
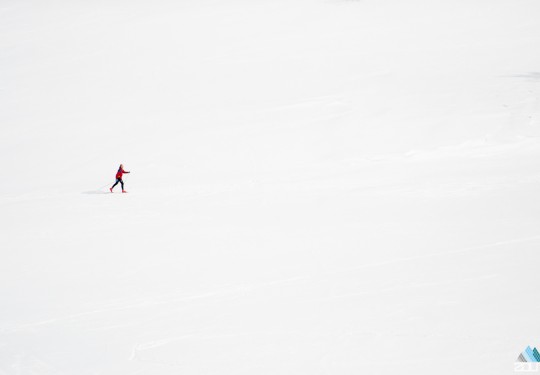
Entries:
{"x":116,"y":183}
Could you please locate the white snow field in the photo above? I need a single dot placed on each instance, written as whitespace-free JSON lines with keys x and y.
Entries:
{"x":317,"y":187}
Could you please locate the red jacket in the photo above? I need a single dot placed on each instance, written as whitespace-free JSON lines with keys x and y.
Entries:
{"x":120,"y":173}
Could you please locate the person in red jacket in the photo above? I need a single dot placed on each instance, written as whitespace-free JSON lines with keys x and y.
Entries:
{"x":119,"y":178}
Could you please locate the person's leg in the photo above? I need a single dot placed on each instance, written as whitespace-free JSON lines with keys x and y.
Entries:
{"x":116,"y":183}
{"x":122,"y":183}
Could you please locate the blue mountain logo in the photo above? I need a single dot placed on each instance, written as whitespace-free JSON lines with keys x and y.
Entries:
{"x":529,"y":355}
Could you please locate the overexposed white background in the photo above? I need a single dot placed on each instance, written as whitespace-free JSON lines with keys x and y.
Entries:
{"x":317,"y":187}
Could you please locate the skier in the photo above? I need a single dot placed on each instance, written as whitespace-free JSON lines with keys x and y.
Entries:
{"x":119,"y":178}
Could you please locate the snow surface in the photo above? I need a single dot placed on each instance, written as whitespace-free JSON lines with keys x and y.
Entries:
{"x":317,"y":187}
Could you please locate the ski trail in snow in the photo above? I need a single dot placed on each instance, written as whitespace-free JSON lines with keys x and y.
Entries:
{"x":154,"y":344}
{"x":440,"y":254}
{"x":250,"y":288}
{"x":141,"y":347}
{"x":166,"y":301}
{"x":412,"y":286}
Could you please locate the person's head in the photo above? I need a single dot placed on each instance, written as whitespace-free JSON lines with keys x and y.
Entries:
{"x":121,"y":165}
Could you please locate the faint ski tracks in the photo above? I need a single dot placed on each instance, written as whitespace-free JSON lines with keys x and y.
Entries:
{"x":411,"y":286}
{"x":154,"y":344}
{"x":446,"y":253}
{"x":144,"y":304}
{"x":200,"y":336}
{"x":167,"y":300}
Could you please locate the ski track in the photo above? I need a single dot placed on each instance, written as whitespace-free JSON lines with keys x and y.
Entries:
{"x":413,"y":286}
{"x":242,"y":289}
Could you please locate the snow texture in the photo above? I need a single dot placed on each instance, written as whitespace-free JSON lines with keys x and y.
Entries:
{"x":317,"y":187}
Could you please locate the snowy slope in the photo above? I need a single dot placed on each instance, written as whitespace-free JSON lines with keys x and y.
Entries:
{"x":317,"y":187}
